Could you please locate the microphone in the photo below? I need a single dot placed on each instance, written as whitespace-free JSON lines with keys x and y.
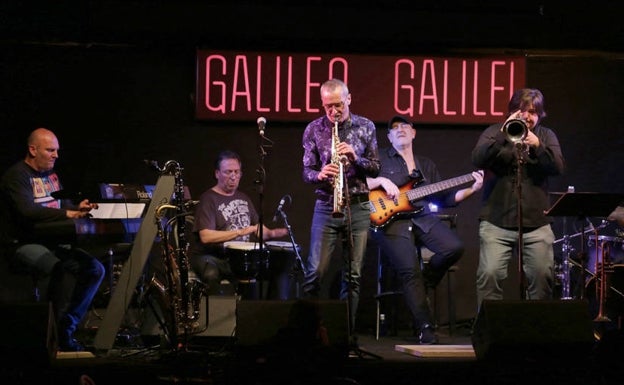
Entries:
{"x":261,"y":123}
{"x":279,"y":208}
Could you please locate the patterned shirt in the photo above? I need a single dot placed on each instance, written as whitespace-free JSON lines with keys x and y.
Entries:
{"x":360,"y":133}
{"x":224,"y":213}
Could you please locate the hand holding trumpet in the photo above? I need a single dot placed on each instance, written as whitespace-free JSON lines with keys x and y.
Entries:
{"x":519,"y":130}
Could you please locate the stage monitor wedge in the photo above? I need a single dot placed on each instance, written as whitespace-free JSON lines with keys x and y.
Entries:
{"x":533,"y":330}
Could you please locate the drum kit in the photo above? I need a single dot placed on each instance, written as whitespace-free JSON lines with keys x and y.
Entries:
{"x":596,"y":271}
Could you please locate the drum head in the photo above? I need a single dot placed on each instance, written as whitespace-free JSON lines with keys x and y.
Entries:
{"x":279,"y":245}
{"x":240,"y":245}
{"x":603,"y":238}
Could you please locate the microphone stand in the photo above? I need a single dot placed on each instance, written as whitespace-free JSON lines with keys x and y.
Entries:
{"x":260,"y":181}
{"x":298,"y":270}
{"x":520,"y":160}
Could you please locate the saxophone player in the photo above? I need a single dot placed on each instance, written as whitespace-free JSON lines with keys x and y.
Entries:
{"x":356,"y":144}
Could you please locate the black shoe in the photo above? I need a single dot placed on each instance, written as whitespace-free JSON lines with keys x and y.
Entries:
{"x":427,"y":336}
{"x":71,"y":345}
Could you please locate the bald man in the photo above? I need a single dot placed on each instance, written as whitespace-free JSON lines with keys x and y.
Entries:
{"x":26,"y":203}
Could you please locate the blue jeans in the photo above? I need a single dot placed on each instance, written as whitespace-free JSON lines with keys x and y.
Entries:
{"x":498,"y":245}
{"x":75,"y":278}
{"x":326,"y":232}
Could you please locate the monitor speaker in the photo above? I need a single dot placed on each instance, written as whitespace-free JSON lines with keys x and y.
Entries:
{"x":533,"y":330}
{"x":257,"y":322}
{"x":28,"y":334}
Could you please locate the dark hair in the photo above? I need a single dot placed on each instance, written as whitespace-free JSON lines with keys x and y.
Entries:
{"x":523,"y":98}
{"x":226,"y":154}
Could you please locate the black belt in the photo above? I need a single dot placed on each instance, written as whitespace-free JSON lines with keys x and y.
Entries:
{"x":360,"y":198}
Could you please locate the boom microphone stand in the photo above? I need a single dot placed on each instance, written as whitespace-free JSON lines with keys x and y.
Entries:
{"x":263,"y":142}
{"x":298,"y":270}
{"x":520,"y":149}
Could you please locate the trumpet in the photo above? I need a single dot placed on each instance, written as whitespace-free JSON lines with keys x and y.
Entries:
{"x":338,"y":182}
{"x":516,"y":130}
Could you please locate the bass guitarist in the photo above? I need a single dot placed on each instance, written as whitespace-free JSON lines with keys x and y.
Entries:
{"x":404,"y":228}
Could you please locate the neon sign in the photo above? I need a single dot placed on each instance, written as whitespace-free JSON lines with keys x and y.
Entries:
{"x":429,"y":89}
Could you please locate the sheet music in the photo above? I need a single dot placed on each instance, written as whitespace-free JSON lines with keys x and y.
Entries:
{"x":120,"y":210}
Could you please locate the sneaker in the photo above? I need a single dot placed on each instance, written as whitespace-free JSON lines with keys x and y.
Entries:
{"x":427,"y":336}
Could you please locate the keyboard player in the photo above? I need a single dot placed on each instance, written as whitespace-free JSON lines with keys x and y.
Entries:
{"x":31,"y":216}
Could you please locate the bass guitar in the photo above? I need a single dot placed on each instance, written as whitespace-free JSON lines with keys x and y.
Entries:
{"x":384,"y":209}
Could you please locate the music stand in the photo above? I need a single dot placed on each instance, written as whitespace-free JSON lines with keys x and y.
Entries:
{"x":583,"y":205}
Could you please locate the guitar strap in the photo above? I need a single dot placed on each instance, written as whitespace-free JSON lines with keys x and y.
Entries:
{"x":416,"y":174}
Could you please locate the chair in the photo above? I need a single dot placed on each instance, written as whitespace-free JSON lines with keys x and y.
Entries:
{"x":424,"y":255}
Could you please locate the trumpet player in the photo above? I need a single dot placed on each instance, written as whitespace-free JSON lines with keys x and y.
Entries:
{"x":518,"y":165}
{"x":345,"y":222}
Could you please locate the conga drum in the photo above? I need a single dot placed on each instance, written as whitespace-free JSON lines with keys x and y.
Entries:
{"x":282,"y":257}
{"x":245,"y":259}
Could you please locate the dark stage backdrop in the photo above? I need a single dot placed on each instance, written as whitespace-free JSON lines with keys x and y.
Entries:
{"x":114,"y":106}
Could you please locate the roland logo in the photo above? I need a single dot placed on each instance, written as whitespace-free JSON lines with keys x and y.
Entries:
{"x":144,"y":195}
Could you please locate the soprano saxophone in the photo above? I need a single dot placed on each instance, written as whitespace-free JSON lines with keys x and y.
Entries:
{"x":338,"y":181}
{"x":179,"y":298}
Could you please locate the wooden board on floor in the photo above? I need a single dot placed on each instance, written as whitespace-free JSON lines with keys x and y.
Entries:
{"x":70,"y":355}
{"x":437,"y":350}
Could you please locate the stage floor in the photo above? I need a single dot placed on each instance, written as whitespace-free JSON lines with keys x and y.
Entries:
{"x":218,"y":361}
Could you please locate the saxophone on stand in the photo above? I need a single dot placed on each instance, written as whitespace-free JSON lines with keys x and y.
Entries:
{"x":178,"y":297}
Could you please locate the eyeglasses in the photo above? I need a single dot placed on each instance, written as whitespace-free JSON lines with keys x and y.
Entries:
{"x":229,"y":173}
{"x":335,"y":106}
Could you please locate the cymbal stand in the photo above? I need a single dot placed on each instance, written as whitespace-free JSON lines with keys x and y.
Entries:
{"x":566,"y":249}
